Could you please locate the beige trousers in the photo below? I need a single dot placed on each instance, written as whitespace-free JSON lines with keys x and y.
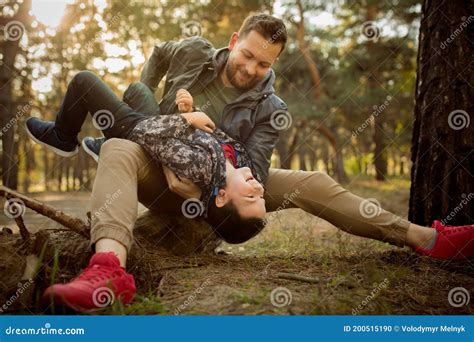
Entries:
{"x":126,"y":176}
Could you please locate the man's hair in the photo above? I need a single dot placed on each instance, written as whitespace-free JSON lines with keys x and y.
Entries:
{"x":270,"y":27}
{"x":230,"y":226}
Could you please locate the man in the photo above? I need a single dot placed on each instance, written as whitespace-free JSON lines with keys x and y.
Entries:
{"x":234,"y":86}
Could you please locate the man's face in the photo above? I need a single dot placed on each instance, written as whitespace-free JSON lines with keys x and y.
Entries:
{"x":250,"y":59}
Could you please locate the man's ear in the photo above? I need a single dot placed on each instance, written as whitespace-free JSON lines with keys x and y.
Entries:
{"x":233,"y":40}
{"x":221,"y":198}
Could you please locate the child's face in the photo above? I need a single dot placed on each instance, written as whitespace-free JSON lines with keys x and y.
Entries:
{"x":244,"y":191}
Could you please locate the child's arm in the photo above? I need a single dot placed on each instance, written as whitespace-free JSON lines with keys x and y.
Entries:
{"x":200,"y":120}
{"x":184,"y":100}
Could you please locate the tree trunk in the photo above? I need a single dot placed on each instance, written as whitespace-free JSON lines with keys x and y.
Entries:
{"x":443,"y":139}
{"x":380,"y":153}
{"x":46,"y":170}
{"x":13,"y":30}
{"x":402,"y":166}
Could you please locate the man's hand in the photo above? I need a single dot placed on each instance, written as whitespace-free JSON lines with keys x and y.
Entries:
{"x":184,"y":100}
{"x":182,"y":187}
{"x":200,"y":120}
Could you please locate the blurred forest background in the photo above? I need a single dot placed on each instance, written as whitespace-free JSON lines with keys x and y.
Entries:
{"x":347,"y":75}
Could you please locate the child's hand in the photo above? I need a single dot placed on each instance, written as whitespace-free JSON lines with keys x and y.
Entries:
{"x":200,"y":120}
{"x":184,"y":100}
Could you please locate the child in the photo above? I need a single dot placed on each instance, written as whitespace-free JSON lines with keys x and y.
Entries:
{"x":188,"y":143}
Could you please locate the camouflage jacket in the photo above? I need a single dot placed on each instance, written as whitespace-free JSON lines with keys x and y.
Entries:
{"x":190,"y":153}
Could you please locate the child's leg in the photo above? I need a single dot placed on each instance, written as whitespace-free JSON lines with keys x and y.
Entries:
{"x":88,"y":93}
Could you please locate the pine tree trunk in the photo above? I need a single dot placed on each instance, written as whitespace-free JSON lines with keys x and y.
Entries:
{"x":443,"y":137}
{"x":13,"y":30}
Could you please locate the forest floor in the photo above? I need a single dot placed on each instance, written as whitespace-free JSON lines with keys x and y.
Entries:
{"x":345,"y":274}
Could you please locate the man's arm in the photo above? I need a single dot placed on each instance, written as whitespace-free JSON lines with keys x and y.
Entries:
{"x":181,"y":186}
{"x":260,"y":145}
{"x":157,"y":65}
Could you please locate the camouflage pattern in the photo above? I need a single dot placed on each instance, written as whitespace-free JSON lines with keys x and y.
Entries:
{"x":190,"y":153}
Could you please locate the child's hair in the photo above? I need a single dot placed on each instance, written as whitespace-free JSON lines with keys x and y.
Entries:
{"x":230,"y":226}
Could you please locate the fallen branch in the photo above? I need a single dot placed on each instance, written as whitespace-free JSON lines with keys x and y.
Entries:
{"x":181,"y":266}
{"x":291,"y":276}
{"x":25,"y":235}
{"x":73,"y":223}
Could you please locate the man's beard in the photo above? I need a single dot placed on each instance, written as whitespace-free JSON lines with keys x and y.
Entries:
{"x":231,"y":73}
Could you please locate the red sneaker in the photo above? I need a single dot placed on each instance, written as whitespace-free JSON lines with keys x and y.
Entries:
{"x":452,"y":242}
{"x":99,"y":285}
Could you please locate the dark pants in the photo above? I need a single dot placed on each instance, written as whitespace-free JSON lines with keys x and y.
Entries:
{"x":87,"y":93}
